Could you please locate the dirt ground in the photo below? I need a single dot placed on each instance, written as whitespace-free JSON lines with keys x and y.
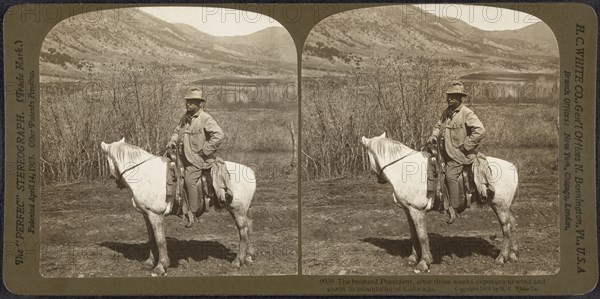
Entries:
{"x":352,"y":226}
{"x":92,"y":230}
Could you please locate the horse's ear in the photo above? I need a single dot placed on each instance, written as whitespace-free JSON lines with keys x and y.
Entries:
{"x":122,"y":140}
{"x":364,"y":140}
{"x":104,"y":146}
{"x":384,"y":135}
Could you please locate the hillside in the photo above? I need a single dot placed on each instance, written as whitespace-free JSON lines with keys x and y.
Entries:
{"x":346,"y":40}
{"x":76,"y":47}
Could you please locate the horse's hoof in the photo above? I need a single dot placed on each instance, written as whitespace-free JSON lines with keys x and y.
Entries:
{"x":159,"y":270}
{"x":500,"y":260}
{"x":249,"y":261}
{"x":422,"y":267}
{"x":512,"y":257}
{"x":148,"y":264}
{"x":411,"y":260}
{"x":251,"y":253}
{"x":236,"y":263}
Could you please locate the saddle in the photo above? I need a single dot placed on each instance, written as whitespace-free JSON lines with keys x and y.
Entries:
{"x":213,"y":188}
{"x":207,"y":186}
{"x":436,"y":185}
{"x":175,"y":191}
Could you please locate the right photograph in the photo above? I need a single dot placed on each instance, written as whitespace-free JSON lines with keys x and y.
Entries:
{"x":429,"y":143}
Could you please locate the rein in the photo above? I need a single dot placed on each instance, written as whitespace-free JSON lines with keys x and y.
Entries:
{"x":395,"y":161}
{"x":132,"y":167}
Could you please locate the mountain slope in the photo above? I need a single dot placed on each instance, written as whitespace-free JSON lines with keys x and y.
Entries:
{"x":537,"y":33}
{"x":76,"y":46}
{"x":349,"y":39}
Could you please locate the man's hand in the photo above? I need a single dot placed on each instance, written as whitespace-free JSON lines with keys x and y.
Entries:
{"x":432,"y":140}
{"x":171,"y":144}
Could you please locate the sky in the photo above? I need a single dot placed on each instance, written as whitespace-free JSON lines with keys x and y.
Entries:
{"x":230,"y":22}
{"x":484,"y":17}
{"x":214,"y":21}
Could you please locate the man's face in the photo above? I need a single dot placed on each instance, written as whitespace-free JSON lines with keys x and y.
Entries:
{"x":192,"y":105}
{"x":454,"y":100}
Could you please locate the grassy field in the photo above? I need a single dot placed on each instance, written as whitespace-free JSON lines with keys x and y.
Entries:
{"x":249,"y":129}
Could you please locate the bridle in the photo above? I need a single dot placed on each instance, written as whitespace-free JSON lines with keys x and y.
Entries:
{"x":379,"y":178}
{"x":118,"y":180}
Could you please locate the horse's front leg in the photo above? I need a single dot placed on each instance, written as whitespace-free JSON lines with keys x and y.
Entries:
{"x":151,"y":261}
{"x":413,"y":258}
{"x":157,"y":223}
{"x":418,"y":216}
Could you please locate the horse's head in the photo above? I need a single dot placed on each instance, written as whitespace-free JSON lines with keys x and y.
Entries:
{"x":367,"y":143}
{"x":114,"y":172}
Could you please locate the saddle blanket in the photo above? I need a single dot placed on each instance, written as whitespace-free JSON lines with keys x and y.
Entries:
{"x":221,"y":181}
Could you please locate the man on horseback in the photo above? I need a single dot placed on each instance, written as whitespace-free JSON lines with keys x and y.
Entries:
{"x":460,"y":133}
{"x":198,"y":136}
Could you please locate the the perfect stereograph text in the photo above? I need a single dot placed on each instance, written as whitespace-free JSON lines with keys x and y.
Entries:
{"x":25,"y":170}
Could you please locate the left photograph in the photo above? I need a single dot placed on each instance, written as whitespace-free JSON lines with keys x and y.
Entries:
{"x":168,"y":145}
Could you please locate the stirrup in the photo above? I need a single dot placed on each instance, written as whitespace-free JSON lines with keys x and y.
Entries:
{"x":206,"y":203}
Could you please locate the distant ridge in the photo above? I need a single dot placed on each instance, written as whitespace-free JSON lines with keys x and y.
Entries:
{"x":346,"y":40}
{"x":76,"y":47}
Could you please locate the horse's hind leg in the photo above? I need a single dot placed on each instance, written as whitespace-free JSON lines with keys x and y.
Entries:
{"x":151,"y":261}
{"x":251,"y":253}
{"x":157,"y":223}
{"x":413,"y":258}
{"x":514,"y":247}
{"x":504,"y":217}
{"x":243,"y":224}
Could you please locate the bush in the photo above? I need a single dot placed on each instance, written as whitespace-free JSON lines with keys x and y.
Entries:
{"x":402,"y":97}
{"x":142,"y":103}
{"x":405,"y":98}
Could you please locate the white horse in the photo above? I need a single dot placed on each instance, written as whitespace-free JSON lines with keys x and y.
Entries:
{"x":406,"y":170}
{"x":145,"y":175}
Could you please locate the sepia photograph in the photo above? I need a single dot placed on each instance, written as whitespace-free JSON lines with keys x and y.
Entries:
{"x":328,"y":149}
{"x":430,"y":143}
{"x":168,"y":144}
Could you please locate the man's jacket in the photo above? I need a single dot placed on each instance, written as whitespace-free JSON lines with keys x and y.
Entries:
{"x":201,"y":138}
{"x":462,"y":132}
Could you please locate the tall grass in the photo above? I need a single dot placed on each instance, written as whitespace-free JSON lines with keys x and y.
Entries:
{"x":404,"y":98}
{"x":514,"y":125}
{"x":401,"y":97}
{"x":142,"y":104}
{"x":256,"y":130}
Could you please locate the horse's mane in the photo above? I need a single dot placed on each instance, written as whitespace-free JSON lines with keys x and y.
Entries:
{"x":388,"y":149}
{"x":127,"y":153}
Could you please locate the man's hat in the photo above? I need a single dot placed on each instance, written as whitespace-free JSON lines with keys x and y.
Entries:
{"x":194,"y":94}
{"x":456,"y":88}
